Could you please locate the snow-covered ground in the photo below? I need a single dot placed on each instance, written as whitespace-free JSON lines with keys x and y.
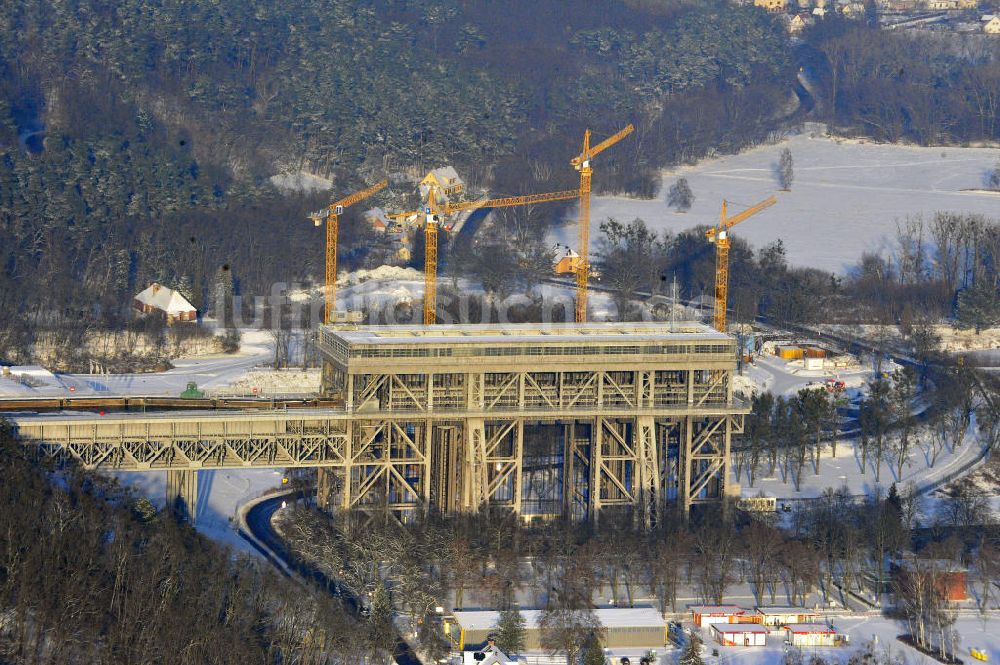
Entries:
{"x":207,"y":371}
{"x":781,"y":377}
{"x":862,"y":629}
{"x":301,"y":181}
{"x":786,"y":378}
{"x":220,"y":493}
{"x":953,"y":340}
{"x":269,"y":382}
{"x":845,"y":199}
{"x":844,"y":470}
{"x":378,"y":289}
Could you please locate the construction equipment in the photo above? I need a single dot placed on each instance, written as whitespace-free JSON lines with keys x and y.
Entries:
{"x":582,"y":164}
{"x":332,"y":215}
{"x":720,"y":236}
{"x":192,"y":392}
{"x":432,"y":211}
{"x":430,"y":257}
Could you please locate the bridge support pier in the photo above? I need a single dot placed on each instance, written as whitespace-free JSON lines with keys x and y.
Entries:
{"x":182,"y":493}
{"x":324,"y":487}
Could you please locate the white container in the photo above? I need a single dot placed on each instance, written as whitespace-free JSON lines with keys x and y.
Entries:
{"x":812,"y":363}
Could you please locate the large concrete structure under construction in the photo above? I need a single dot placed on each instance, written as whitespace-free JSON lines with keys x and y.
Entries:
{"x":544,"y":420}
{"x":541,"y":419}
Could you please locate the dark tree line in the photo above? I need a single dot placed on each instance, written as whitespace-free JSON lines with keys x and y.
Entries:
{"x":634,"y":258}
{"x":872,"y":84}
{"x":941,"y":268}
{"x":90,"y":574}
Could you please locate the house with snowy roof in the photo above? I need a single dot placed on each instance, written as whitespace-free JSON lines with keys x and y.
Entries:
{"x":798,"y":23}
{"x":157,"y":298}
{"x":771,"y":5}
{"x":991,"y":24}
{"x":377,"y":219}
{"x":445,"y":180}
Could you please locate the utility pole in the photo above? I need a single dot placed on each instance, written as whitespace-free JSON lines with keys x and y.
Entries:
{"x":673,"y":302}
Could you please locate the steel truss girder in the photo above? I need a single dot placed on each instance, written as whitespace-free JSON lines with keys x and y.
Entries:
{"x":555,"y":390}
{"x":493,"y":463}
{"x":705,"y":457}
{"x":389,"y":466}
{"x":615,"y":454}
{"x":287,"y":450}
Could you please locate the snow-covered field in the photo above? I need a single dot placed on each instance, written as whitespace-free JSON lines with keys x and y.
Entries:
{"x":845,"y":199}
{"x":207,"y":371}
{"x":844,"y":470}
{"x":786,"y":378}
{"x":953,"y":340}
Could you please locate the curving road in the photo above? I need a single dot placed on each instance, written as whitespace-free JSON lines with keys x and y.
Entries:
{"x":258,"y":522}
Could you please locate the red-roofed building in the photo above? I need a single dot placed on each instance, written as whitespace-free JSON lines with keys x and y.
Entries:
{"x":706,"y":615}
{"x":814,"y":635}
{"x":779,"y":616}
{"x":740,"y":634}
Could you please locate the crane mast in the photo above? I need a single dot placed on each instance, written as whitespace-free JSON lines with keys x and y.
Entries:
{"x":430,"y":258}
{"x":583,"y":240}
{"x":332,"y":215}
{"x":720,"y":236}
{"x":431,"y":233}
{"x":582,"y":164}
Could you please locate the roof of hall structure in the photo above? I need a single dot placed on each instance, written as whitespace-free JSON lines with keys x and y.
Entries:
{"x":556,"y":333}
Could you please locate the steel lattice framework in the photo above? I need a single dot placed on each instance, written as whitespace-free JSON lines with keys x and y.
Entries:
{"x":443,"y":417}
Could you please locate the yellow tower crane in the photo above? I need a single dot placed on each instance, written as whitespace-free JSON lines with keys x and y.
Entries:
{"x":582,"y":164}
{"x":332,"y":215}
{"x":720,"y":236}
{"x":432,"y":210}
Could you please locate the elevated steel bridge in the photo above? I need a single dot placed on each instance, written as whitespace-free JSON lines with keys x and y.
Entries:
{"x":423,"y":418}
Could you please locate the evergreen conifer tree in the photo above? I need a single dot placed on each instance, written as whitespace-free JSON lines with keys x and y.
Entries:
{"x":595,"y":653}
{"x":786,"y":173}
{"x":380,"y":633}
{"x":692,"y":652}
{"x":680,"y":197}
{"x":510,"y":631}
{"x":978,"y":307}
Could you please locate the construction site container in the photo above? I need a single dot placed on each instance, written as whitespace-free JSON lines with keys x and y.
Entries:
{"x":781,"y":616}
{"x":706,"y":615}
{"x":812,"y":363}
{"x":789,"y":352}
{"x":813,"y":352}
{"x":814,"y":635}
{"x":740,"y":634}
